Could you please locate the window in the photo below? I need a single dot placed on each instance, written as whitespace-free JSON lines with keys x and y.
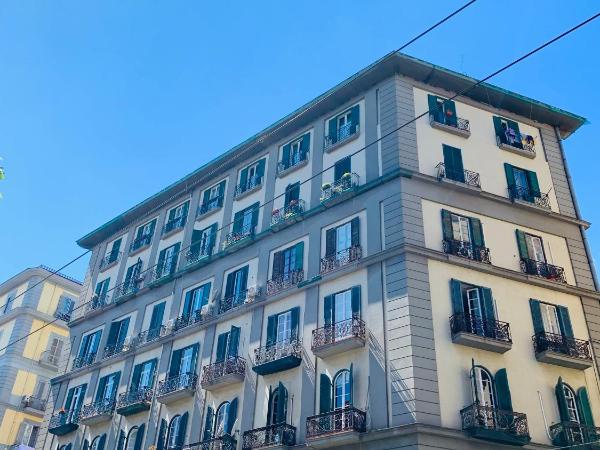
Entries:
{"x":294,"y":152}
{"x":222,"y":419}
{"x":461,"y":228}
{"x":453,"y":164}
{"x":343,"y":237}
{"x":113,"y":253}
{"x":571,"y":401}
{"x":212,"y":198}
{"x":183,"y":361}
{"x":474,"y":310}
{"x":9,"y":303}
{"x":236,"y":286}
{"x":54,"y":351}
{"x":342,"y":390}
{"x":203,"y":242}
{"x":340,"y":239}
{"x":342,"y":306}
{"x":286,"y":262}
{"x":553,"y":319}
{"x":277,"y":409}
{"x":195,"y":300}
{"x":132,"y":277}
{"x":107,"y":388}
{"x":284,"y":326}
{"x":89,"y":344}
{"x":535,"y":247}
{"x":463,"y":236}
{"x":143,"y":376}
{"x":507,"y":132}
{"x":228,"y":344}
{"x":174,"y":427}
{"x":29,"y":434}
{"x":251,"y":176}
{"x":102,"y":289}
{"x":74,"y":401}
{"x":523,"y":185}
{"x":98,"y":443}
{"x":292,"y":195}
{"x":442,"y":110}
{"x":550,"y":318}
{"x":484,"y":384}
{"x":143,"y":235}
{"x":64,"y":308}
{"x":343,"y":126}
{"x":167,"y":260}
{"x":341,"y":168}
{"x":135,"y":438}
{"x":117,"y":335}
{"x":245,"y":221}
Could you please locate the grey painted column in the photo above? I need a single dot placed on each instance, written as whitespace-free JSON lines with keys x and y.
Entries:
{"x":370,"y":126}
{"x":317,"y":164}
{"x":269,"y":187}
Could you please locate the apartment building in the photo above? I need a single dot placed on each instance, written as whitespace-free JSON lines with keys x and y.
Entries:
{"x":28,"y":302}
{"x":433,"y":290}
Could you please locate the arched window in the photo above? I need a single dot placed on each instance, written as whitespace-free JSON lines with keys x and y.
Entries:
{"x":221,"y":419}
{"x":131,"y":438}
{"x":571,"y":400}
{"x":173,"y":433}
{"x":98,"y":443}
{"x":485,"y":393}
{"x":342,"y":393}
{"x":277,"y":410}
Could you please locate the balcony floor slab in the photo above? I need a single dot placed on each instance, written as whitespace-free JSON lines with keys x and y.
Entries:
{"x":560,"y":359}
{"x":481,"y":342}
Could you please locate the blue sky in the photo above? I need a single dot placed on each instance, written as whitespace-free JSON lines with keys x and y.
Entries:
{"x":103,"y":104}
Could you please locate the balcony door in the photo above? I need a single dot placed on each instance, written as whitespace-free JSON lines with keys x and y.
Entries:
{"x":284,"y":327}
{"x":484,"y":396}
{"x":535,"y":247}
{"x":475,"y":310}
{"x":343,"y":238}
{"x":277,"y":409}
{"x":550,"y":318}
{"x":461,"y":229}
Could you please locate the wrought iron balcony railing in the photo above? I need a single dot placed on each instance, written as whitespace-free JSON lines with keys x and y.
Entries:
{"x":250,"y":184}
{"x":96,"y":409}
{"x":517,"y":140}
{"x":536,"y":198}
{"x":163,"y":270}
{"x":230,"y":366}
{"x":576,"y":348}
{"x":292,"y":161}
{"x":131,"y":287}
{"x":288,"y":212}
{"x":280,"y":434}
{"x":238,"y":299}
{"x":285,"y":281}
{"x":84,"y":360}
{"x":344,"y":132}
{"x":117,"y":348}
{"x":458,"y":122}
{"x":467,"y":177}
{"x":193,"y":255}
{"x":140,"y":242}
{"x":340,"y":259}
{"x":181,"y":382}
{"x":566,"y":434}
{"x":279,"y":350}
{"x":29,"y":401}
{"x":479,"y":417}
{"x":489,"y":328}
{"x":174,"y":224}
{"x":67,"y":420}
{"x":330,"y":334}
{"x":138,"y":396}
{"x":337,"y":421}
{"x":187,"y":320}
{"x":210,"y":205}
{"x":225,"y":442}
{"x":98,"y":302}
{"x":110,"y":258}
{"x":466,"y":249}
{"x":49,"y":358}
{"x":346,"y":183}
{"x":234,"y":237}
{"x":150,"y":335}
{"x":543,"y":269}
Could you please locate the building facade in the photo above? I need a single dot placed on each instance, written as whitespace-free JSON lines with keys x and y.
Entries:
{"x":319,"y":286}
{"x":27,"y":366}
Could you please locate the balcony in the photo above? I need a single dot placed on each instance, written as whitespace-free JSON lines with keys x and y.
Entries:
{"x":161,"y":273}
{"x":293,"y":163}
{"x":278,"y":436}
{"x":344,"y":134}
{"x":284,"y":282}
{"x":467,"y":250}
{"x":521,"y":144}
{"x":173,"y":226}
{"x":543,"y":269}
{"x":150,"y":335}
{"x":176,"y":388}
{"x":225,"y":442}
{"x":118,"y":348}
{"x":110,"y":260}
{"x":33,"y":404}
{"x":83,"y":361}
{"x":253,"y":184}
{"x":97,"y":302}
{"x":562,"y":350}
{"x":140,"y":243}
{"x":289,"y":214}
{"x":277,"y":357}
{"x":49,"y":360}
{"x":97,"y":412}
{"x":528,"y":197}
{"x":186,"y":320}
{"x":459,"y":126}
{"x":341,"y":427}
{"x":133,"y":402}
{"x":196,"y":255}
{"x":209,"y":206}
{"x":63,"y":422}
{"x":340,"y":259}
{"x":238,"y":299}
{"x":567,"y":434}
{"x":466,"y":177}
{"x":339,"y":337}
{"x":485,"y":334}
{"x":339,"y":190}
{"x":490,"y":424}
{"x":224,"y":373}
{"x":125,"y":291}
{"x":238,"y":238}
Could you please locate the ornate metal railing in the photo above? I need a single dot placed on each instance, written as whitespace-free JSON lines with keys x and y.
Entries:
{"x":150,"y":335}
{"x":49,"y":358}
{"x":131,"y":287}
{"x":466,"y":249}
{"x":117,"y":348}
{"x":543,"y":269}
{"x":518,"y":140}
{"x":85,"y":360}
{"x":285,"y":281}
{"x":62,"y":418}
{"x":238,"y":299}
{"x":140,"y":242}
{"x":186,"y":320}
{"x":573,"y":433}
{"x":340,"y":259}
{"x":209,"y":205}
{"x":338,"y":421}
{"x":193,"y":255}
{"x":29,"y":401}
{"x":110,"y":258}
{"x":339,"y":331}
{"x":346,"y":183}
{"x":278,"y":350}
{"x":98,"y":302}
{"x":537,"y":198}
{"x":178,"y":383}
{"x":295,"y":208}
{"x":225,"y":442}
{"x":344,"y":132}
{"x":99,"y":408}
{"x":174,"y":224}
{"x":236,"y":236}
{"x":485,"y":417}
{"x":292,"y":161}
{"x":142,"y":395}
{"x":250,"y":184}
{"x":467,"y":177}
{"x":273,"y":435}
{"x":577,"y":348}
{"x":469,"y":323}
{"x":439,"y":117}
{"x":214,"y":371}
{"x":166,"y":269}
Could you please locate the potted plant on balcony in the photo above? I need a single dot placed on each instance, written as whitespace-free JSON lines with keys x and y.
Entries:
{"x":346,"y":182}
{"x":325,"y":191}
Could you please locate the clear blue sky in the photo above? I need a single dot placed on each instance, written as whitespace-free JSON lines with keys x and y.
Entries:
{"x":102,"y":104}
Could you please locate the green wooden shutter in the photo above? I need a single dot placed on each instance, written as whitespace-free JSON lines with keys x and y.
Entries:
{"x":304,"y":146}
{"x":205,"y":198}
{"x":186,"y":209}
{"x":175,"y":258}
{"x":456,"y":294}
{"x":585,"y":410}
{"x":477,"y":232}
{"x":206,"y":293}
{"x":243,"y":278}
{"x":333,"y":130}
{"x":232,"y":416}
{"x":102,"y":442}
{"x":351,"y":382}
{"x":255,"y":210}
{"x":123,"y":328}
{"x":565,"y":321}
{"x":139,"y":437}
{"x":113,"y":333}
{"x":195,"y":351}
{"x":234,"y":342}
{"x":450,"y":111}
{"x":86,"y":443}
{"x":175,"y":363}
{"x":295,"y":323}
{"x":101,"y":388}
{"x":522,"y":245}
{"x":325,"y":397}
{"x":453,"y":163}
{"x":183,"y":420}
{"x":503,"y":391}
{"x":561,"y":400}
{"x":299,"y":255}
{"x":221,"y":193}
{"x":355,"y":301}
{"x":447,"y":225}
{"x":208,"y":423}
{"x":135,"y":379}
{"x":244,"y":178}
{"x":330,"y":242}
{"x":270,"y":407}
{"x":161,"y":261}
{"x":285,"y":157}
{"x":162,"y":430}
{"x":434,"y":107}
{"x":116,"y":247}
{"x":510,"y":179}
{"x":156,"y":319}
{"x":121,"y":440}
{"x":187,"y":304}
{"x":129,"y":274}
{"x":229,"y":285}
{"x":260,"y":169}
{"x":355,"y":118}
{"x":341,"y":167}
{"x":536,"y":316}
{"x":212,"y":238}
{"x":222,"y":347}
{"x":271,"y":330}
{"x":488,"y":303}
{"x":115,"y":389}
{"x":534,"y":186}
{"x":153,"y":364}
{"x":328,"y":309}
{"x":355,"y":231}
{"x":196,"y":242}
{"x":282,"y":404}
{"x":171,"y":215}
{"x":152,"y":227}
{"x":81,"y":399}
{"x":498,"y":129}
{"x":69,"y":399}
{"x":238,"y":221}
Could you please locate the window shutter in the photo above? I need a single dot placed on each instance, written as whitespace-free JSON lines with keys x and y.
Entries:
{"x":175,"y":258}
{"x":522,"y":245}
{"x":113,"y":333}
{"x":561,"y":400}
{"x":260,"y":169}
{"x":477,"y":232}
{"x":160,"y":443}
{"x":328,"y":309}
{"x":121,"y":440}
{"x":503,"y":391}
{"x":123,"y":328}
{"x":564,"y":321}
{"x":238,"y":221}
{"x":534,"y":186}
{"x":244,"y":178}
{"x":244,"y":278}
{"x":171,"y":215}
{"x":221,"y":347}
{"x":355,"y":231}
{"x":152,"y":371}
{"x":195,"y":350}
{"x":255,"y":209}
{"x":182,"y":429}
{"x":139,"y":437}
{"x":115,"y":389}
{"x":196,"y":244}
{"x":79,"y":404}
{"x":229,"y":285}
{"x":299,"y":255}
{"x":333,"y":130}
{"x":355,"y":118}
{"x":205,"y":198}
{"x":69,"y":399}
{"x":206,"y":293}
{"x":94,"y":342}
{"x":305,"y":145}
{"x":434,"y":107}
{"x":330,"y":242}
{"x":135,"y":379}
{"x":585,"y":410}
{"x":351,"y":382}
{"x":295,"y":323}
{"x":450,"y":110}
{"x":325,"y":394}
{"x":341,"y":167}
{"x":498,"y":129}
{"x":186,"y":208}
{"x":271,"y":330}
{"x":212,"y":238}
{"x":152,"y":227}
{"x":453,"y":163}
{"x":355,"y":301}
{"x":456,"y":294}
{"x":232,"y":417}
{"x":102,"y":442}
{"x":187,"y":304}
{"x":161,"y":261}
{"x":234,"y":342}
{"x":156,"y":319}
{"x":488,"y":303}
{"x":116,"y":247}
{"x":86,"y":443}
{"x":175,"y":363}
{"x":282,"y":406}
{"x":277,"y":265}
{"x":101,"y":388}
{"x":208,"y":423}
{"x":536,"y":316}
{"x":447,"y":225}
{"x":510,"y":177}
{"x":129,"y":274}
{"x":221,"y":192}
{"x":285,"y":156}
